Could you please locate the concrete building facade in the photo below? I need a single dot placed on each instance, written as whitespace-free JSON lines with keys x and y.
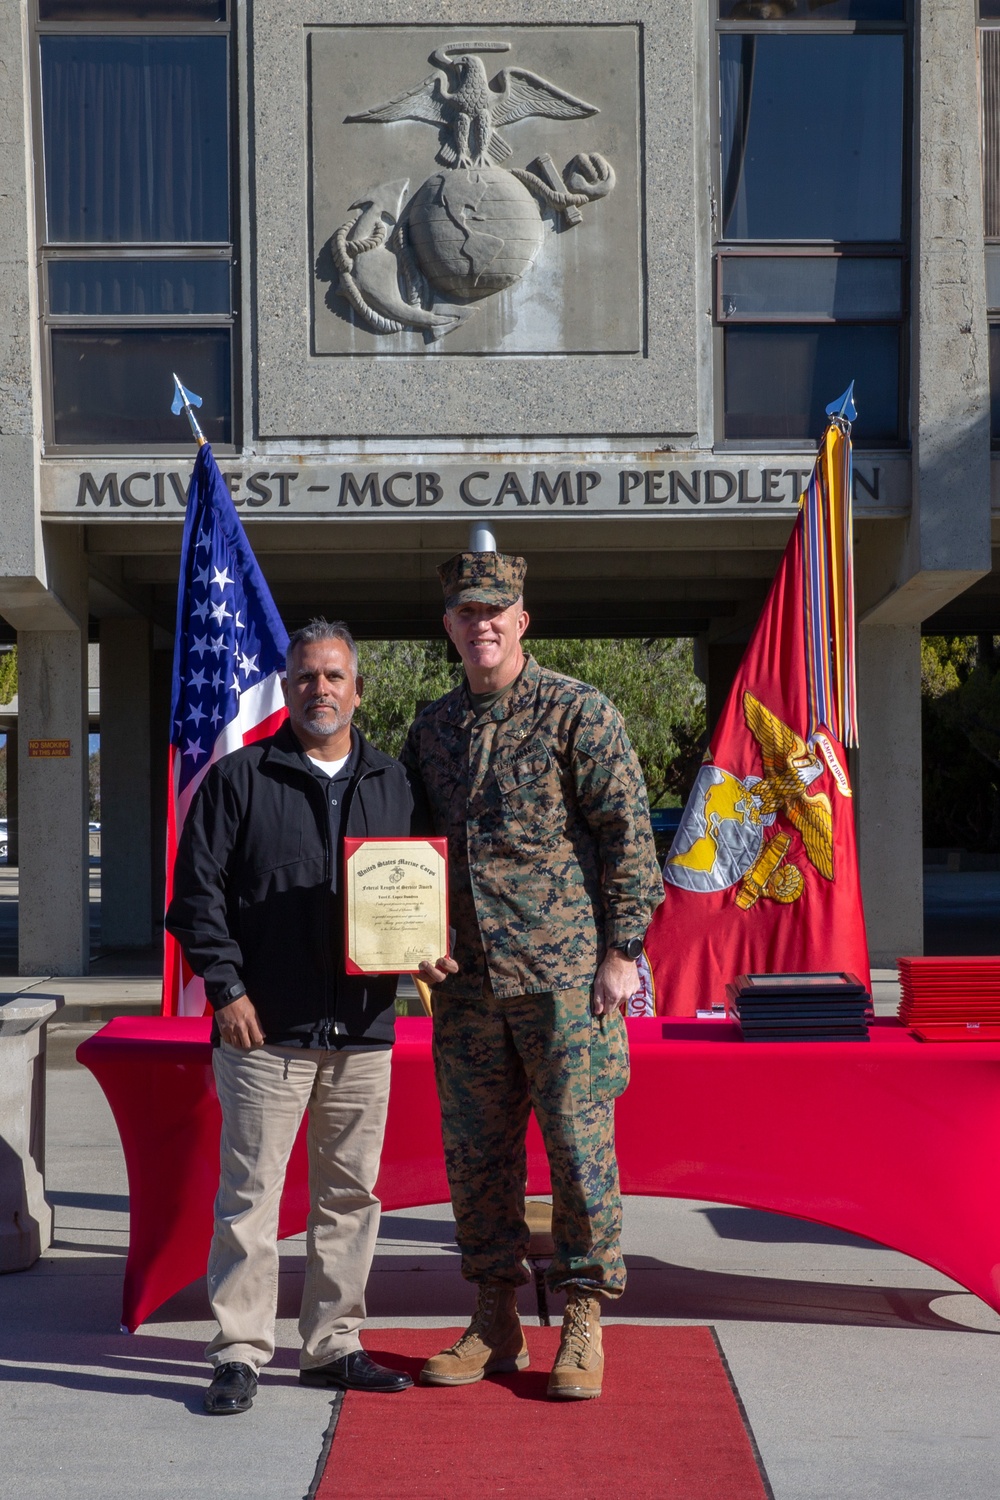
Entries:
{"x":589,"y":274}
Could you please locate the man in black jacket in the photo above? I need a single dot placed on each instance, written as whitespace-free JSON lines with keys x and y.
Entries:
{"x":258,"y":910}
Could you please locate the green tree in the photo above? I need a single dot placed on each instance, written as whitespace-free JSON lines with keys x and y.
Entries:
{"x":8,"y":687}
{"x":400,"y":676}
{"x":960,"y":685}
{"x":94,"y":786}
{"x":945,"y":663}
{"x":8,"y":675}
{"x":653,"y":686}
{"x":652,"y":683}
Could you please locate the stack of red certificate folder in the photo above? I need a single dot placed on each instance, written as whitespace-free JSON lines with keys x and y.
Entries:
{"x":951,"y":999}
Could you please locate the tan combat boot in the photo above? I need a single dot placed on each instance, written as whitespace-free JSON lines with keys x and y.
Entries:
{"x":579,"y":1367}
{"x":493,"y":1342}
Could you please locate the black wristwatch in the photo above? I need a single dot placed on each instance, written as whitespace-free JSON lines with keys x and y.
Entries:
{"x":233,"y":993}
{"x":630,"y":949}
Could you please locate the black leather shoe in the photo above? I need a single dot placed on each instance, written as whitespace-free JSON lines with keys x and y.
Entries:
{"x":356,"y":1372}
{"x":234,"y":1385}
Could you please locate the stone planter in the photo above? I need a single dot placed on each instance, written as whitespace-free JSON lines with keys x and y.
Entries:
{"x":25,"y":1217}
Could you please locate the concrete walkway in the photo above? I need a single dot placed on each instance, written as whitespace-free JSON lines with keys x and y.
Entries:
{"x":864,"y":1374}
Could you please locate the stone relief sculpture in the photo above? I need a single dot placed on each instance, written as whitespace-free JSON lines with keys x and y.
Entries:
{"x":475,"y":227}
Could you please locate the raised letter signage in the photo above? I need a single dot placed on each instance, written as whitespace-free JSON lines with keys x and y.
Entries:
{"x":663,"y":484}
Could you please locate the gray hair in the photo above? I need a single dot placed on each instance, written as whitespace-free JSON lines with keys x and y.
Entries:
{"x":322,"y":630}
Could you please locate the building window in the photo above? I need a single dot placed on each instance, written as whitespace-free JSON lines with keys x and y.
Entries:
{"x":137,"y":219}
{"x":812,"y":10}
{"x":793,"y":323}
{"x":989,"y":95}
{"x":810,"y":216}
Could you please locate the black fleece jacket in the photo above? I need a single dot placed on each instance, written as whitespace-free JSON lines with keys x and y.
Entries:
{"x":252,"y":897}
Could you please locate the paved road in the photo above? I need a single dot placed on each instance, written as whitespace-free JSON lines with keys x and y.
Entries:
{"x":148,"y":961}
{"x":866,"y":1376}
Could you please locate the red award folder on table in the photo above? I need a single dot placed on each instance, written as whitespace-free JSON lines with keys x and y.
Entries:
{"x":948,"y":999}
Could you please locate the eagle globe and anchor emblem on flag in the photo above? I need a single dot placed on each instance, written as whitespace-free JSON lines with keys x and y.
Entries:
{"x":727,"y":837}
{"x":422,"y":260}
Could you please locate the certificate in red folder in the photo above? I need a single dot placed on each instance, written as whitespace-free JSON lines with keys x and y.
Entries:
{"x":395,"y":904}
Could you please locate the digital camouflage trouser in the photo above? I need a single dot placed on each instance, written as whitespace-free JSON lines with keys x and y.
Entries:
{"x":495,"y":1060}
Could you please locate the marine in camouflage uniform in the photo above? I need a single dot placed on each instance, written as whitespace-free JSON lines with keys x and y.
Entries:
{"x":551,"y":864}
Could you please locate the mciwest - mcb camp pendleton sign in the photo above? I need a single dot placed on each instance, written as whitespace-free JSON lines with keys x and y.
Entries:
{"x":625,"y":485}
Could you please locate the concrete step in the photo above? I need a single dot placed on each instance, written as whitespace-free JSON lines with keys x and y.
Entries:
{"x":92,"y":997}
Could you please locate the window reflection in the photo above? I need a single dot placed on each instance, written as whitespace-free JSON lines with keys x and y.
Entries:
{"x":132,"y":10}
{"x":136,"y":138}
{"x":114,"y":386}
{"x":989,"y":59}
{"x":138,"y":288}
{"x":135,"y":126}
{"x":778,"y":380}
{"x":815,"y":286}
{"x":812,"y":136}
{"x":993,"y":278}
{"x":814,"y":10}
{"x":995,"y":384}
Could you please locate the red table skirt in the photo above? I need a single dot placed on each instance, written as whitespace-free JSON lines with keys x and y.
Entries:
{"x":895,"y":1139}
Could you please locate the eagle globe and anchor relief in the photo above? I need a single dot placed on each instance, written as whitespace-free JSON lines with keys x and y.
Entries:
{"x":423,"y":260}
{"x":728,"y":837}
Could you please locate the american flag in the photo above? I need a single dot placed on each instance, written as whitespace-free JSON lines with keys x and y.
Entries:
{"x":229,"y":653}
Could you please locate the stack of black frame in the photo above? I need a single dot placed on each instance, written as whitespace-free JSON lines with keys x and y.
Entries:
{"x":800,"y":1007}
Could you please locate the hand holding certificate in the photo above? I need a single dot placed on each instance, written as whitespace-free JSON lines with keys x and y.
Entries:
{"x":396,"y":903}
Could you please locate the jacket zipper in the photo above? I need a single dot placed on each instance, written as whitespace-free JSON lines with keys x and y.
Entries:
{"x":324,"y":1025}
{"x":330,"y":857}
{"x":327,"y":1023}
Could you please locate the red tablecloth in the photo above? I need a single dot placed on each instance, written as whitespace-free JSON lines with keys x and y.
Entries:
{"x":895,"y":1139}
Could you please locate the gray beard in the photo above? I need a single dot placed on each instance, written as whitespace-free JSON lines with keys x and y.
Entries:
{"x":325,"y":728}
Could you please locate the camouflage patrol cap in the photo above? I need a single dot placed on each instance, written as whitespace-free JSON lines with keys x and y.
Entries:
{"x":482,"y":577}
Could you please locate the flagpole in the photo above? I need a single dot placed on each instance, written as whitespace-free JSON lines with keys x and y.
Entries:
{"x":211,"y":715}
{"x":185,"y":400}
{"x":828,"y":578}
{"x":173,"y":978}
{"x":781,"y":895}
{"x":847,"y":401}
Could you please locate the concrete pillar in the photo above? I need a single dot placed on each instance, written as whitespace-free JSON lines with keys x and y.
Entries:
{"x":888,"y":790}
{"x":948,"y":535}
{"x":12,"y":815}
{"x":25,"y":1216}
{"x":53,"y":899}
{"x":126,"y":897}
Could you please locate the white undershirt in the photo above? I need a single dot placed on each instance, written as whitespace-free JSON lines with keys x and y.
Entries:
{"x":330,"y":767}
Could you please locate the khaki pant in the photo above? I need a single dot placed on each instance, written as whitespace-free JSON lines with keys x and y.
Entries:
{"x":263,"y":1094}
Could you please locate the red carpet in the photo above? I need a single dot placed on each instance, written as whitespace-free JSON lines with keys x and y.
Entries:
{"x":680,"y":1433}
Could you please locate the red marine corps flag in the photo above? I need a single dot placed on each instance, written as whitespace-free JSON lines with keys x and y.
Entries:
{"x":762,"y":875}
{"x":229,"y":654}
